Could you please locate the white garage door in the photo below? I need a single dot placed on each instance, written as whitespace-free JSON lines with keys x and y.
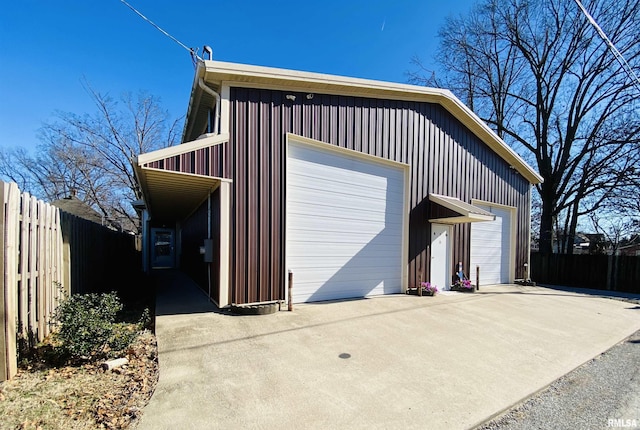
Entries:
{"x":344,"y":224}
{"x":491,"y":247}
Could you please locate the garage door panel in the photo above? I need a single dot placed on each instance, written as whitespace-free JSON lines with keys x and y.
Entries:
{"x":341,"y":225}
{"x":344,"y":224}
{"x":369,"y":186}
{"x":344,"y":193}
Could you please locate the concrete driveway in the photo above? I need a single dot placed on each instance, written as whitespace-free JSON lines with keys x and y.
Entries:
{"x":449,"y":361}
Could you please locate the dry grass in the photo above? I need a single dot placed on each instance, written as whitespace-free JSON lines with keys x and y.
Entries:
{"x":81,"y":397}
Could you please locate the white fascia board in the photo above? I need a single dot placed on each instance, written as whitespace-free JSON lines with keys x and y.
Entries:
{"x":204,"y":141}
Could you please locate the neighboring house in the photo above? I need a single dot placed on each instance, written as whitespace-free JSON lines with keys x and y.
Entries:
{"x":357,"y":187}
{"x":77,"y":207}
{"x":630,"y":246}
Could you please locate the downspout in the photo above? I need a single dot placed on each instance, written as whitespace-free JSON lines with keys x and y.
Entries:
{"x":216,"y":123}
{"x":216,"y":96}
{"x":209,"y":237}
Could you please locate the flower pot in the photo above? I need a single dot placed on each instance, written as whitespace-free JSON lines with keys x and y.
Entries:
{"x":462,"y":289}
{"x":414,"y":291}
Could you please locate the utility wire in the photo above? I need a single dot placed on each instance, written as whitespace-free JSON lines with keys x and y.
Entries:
{"x":625,"y":65}
{"x":192,"y":51}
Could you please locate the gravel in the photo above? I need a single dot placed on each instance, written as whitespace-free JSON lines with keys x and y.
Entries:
{"x":603,"y":389}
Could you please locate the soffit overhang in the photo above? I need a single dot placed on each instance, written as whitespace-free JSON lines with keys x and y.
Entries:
{"x":172,"y":196}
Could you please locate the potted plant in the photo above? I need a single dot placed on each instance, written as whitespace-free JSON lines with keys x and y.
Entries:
{"x":427,"y":288}
{"x":463,"y":285}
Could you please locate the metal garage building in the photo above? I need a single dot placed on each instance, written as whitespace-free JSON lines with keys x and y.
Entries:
{"x":358,"y":187}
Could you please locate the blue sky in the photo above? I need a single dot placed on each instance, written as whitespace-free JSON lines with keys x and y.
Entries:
{"x":48,"y":47}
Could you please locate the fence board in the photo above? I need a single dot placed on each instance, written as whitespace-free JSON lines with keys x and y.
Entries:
{"x":11,"y":242}
{"x":4,"y":353}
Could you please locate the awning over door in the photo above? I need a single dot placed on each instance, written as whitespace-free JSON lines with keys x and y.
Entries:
{"x":169,"y":195}
{"x":455,"y":211}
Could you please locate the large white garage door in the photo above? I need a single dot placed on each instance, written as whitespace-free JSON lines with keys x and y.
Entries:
{"x":344,"y":224}
{"x":491,"y":247}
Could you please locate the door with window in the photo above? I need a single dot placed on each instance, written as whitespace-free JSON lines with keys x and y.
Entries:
{"x":162,"y":248}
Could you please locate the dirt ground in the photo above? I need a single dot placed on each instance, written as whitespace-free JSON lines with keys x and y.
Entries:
{"x":84,"y":396}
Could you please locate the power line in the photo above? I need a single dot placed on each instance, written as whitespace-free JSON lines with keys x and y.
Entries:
{"x":623,"y":62}
{"x":192,"y":51}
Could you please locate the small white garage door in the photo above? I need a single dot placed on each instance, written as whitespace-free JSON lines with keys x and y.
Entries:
{"x":344,"y":224}
{"x":491,"y":246}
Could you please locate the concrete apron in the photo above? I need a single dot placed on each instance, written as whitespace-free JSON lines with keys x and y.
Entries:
{"x":449,"y":361}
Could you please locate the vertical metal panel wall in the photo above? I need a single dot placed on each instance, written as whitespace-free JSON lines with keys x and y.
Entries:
{"x":445,"y":158}
{"x":193,"y":231}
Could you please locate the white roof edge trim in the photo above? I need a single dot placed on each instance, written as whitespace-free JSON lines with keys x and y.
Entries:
{"x":441,"y":96}
{"x":172,"y":151}
{"x":183,"y":174}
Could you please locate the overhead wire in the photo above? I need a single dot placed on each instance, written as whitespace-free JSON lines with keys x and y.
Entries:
{"x":193,"y":52}
{"x":623,"y":62}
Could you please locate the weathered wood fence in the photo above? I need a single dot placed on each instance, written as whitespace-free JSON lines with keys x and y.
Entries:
{"x":45,"y":254}
{"x":601,"y":272}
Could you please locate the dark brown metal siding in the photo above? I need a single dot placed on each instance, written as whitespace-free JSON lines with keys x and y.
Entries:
{"x":205,"y":161}
{"x":445,"y":158}
{"x":193,"y":233}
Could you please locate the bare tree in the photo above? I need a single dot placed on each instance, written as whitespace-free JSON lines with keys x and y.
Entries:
{"x":90,"y":154}
{"x":542,"y":77}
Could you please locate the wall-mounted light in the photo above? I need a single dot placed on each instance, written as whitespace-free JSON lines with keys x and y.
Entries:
{"x":290,"y":97}
{"x":309,"y":96}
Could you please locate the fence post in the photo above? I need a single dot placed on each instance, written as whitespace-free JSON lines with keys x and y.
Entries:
{"x":609,"y":270}
{"x":3,"y":306}
{"x":290,"y":308}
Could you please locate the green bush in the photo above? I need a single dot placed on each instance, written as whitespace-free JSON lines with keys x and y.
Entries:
{"x":88,"y":328}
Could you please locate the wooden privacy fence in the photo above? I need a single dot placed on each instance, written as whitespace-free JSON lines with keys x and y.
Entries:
{"x":32,"y":255}
{"x":600,"y":272}
{"x":45,"y":254}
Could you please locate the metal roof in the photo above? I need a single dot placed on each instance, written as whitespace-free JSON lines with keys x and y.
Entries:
{"x":215,"y":73}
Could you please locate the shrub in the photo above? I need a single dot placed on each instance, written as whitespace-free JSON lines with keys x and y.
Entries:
{"x":87,"y":326}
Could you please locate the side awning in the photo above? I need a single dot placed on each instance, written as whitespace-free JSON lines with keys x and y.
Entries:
{"x":450,"y":210}
{"x":172,"y":196}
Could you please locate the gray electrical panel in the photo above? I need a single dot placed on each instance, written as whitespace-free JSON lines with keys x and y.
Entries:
{"x":208,"y":250}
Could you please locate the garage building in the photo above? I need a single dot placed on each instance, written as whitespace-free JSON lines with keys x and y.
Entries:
{"x":356,"y":187}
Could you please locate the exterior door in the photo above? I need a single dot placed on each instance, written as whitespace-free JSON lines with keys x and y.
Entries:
{"x":441,"y":272}
{"x":162,"y":248}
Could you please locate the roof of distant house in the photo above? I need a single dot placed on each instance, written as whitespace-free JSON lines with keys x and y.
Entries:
{"x":77,"y":207}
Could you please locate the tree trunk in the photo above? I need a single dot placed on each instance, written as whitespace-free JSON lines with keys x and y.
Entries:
{"x":572,"y":228}
{"x":546,"y":226}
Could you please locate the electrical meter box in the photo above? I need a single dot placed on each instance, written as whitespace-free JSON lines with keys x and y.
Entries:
{"x":208,"y":250}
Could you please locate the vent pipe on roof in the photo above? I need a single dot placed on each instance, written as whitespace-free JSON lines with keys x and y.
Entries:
{"x":206,"y":50}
